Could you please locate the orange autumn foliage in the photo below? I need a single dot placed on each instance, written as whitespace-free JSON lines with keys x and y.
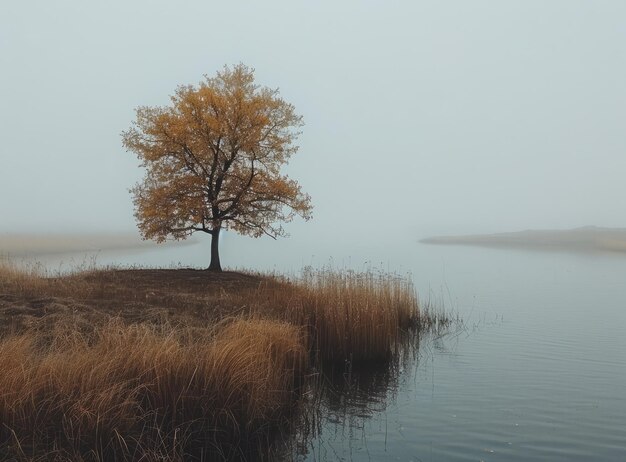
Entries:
{"x":213,"y":160}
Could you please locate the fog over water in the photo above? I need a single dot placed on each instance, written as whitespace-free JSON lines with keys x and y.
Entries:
{"x":422,"y":118}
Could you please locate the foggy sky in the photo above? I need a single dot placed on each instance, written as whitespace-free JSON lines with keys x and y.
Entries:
{"x":421,"y":117}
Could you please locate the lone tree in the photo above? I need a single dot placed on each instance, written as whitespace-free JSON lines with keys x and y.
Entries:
{"x":213,"y":160}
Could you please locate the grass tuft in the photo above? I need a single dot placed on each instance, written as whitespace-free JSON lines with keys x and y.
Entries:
{"x":131,"y":389}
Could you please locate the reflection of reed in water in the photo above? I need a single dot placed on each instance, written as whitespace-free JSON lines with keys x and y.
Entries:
{"x":363,"y":388}
{"x":341,"y":397}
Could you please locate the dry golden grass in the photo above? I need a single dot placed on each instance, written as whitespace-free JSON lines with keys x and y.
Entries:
{"x":21,"y":280}
{"x":349,"y":316}
{"x":175,"y":364}
{"x":132,"y":390}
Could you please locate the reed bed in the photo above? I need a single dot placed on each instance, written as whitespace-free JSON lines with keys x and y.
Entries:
{"x":349,"y":315}
{"x":137,"y":392}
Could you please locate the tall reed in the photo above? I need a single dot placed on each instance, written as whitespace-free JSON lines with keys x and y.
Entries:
{"x":349,"y":315}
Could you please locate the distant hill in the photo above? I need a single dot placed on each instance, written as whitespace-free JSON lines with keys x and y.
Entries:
{"x":588,"y":238}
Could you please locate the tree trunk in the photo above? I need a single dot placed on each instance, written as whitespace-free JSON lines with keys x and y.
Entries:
{"x":215,"y":253}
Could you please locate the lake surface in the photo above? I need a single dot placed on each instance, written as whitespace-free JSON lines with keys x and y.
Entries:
{"x":536,"y":370}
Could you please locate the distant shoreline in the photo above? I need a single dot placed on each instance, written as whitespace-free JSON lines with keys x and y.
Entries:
{"x":588,"y":238}
{"x":24,"y":245}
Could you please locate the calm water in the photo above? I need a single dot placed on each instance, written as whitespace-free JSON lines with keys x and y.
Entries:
{"x":536,"y":371}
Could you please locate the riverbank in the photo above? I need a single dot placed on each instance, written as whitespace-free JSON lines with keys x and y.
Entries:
{"x":179,"y":364}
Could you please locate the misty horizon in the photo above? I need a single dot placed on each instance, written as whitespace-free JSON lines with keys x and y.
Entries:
{"x":457,"y":120}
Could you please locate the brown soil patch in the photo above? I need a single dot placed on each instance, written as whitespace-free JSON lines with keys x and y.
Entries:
{"x":175,"y":296}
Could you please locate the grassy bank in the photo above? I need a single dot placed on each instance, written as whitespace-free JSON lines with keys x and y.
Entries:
{"x":178,"y":364}
{"x":129,"y":392}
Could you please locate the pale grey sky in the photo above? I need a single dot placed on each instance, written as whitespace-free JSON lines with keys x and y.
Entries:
{"x":421,"y":116}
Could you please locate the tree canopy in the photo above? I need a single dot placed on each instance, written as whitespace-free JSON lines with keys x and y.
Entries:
{"x":213,"y":160}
